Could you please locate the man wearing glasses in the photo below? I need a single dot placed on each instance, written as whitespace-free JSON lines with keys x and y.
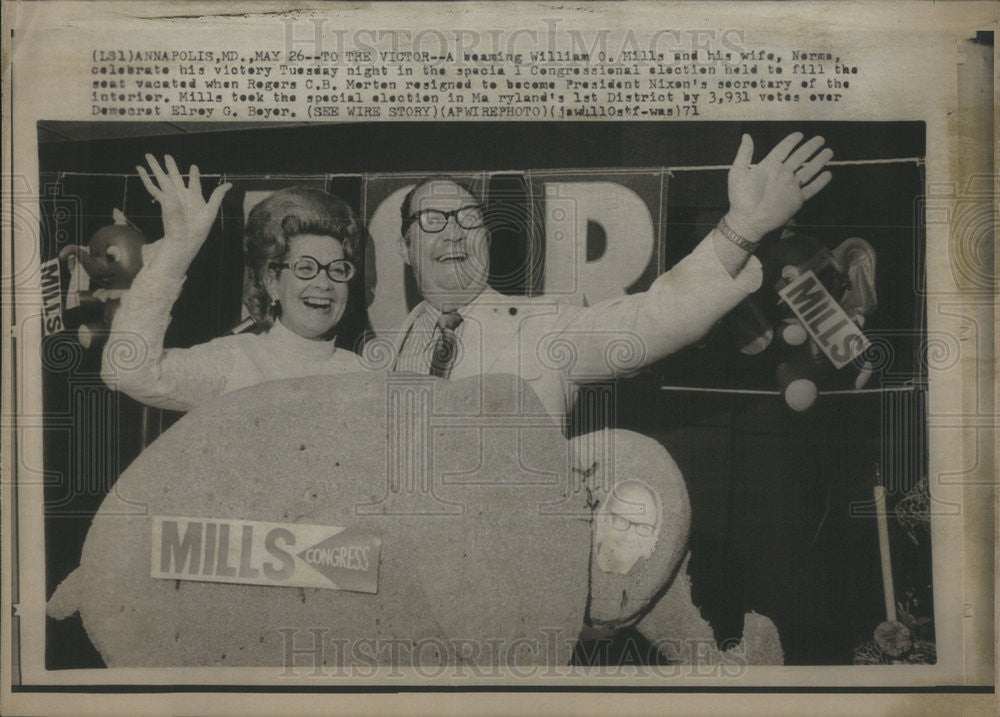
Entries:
{"x":465,"y":328}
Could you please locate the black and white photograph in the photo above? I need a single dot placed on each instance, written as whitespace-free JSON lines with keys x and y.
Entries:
{"x":423,"y":391}
{"x":748,"y":416}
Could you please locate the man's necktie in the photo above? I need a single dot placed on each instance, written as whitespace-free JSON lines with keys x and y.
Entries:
{"x":445,"y":348}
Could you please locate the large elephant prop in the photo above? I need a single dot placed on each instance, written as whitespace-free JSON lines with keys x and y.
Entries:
{"x":471,"y":518}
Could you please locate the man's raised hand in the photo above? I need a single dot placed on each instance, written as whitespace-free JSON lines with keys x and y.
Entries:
{"x":764,"y":196}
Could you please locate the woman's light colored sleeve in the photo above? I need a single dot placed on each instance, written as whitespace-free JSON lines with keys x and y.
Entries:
{"x":134,"y":359}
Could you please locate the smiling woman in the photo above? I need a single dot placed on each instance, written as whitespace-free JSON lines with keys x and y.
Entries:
{"x":302,"y":248}
{"x":311,"y":294}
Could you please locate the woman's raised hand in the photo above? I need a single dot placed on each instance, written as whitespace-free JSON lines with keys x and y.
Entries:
{"x":187,"y":217}
{"x":764,"y":196}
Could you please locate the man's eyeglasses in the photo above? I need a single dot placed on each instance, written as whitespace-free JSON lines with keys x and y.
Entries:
{"x":433,"y":221}
{"x":620,"y":523}
{"x":305,"y":268}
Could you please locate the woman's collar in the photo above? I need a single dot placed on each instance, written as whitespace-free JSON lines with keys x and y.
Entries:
{"x":287,"y":340}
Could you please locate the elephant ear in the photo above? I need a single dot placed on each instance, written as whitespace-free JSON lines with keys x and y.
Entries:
{"x":856,"y":258}
{"x":620,"y":599}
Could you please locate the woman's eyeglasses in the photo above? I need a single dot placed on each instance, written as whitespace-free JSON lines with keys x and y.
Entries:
{"x":433,"y":221}
{"x":306,"y":267}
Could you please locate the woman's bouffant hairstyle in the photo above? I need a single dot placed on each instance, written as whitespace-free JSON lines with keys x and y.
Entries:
{"x":288,"y":213}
